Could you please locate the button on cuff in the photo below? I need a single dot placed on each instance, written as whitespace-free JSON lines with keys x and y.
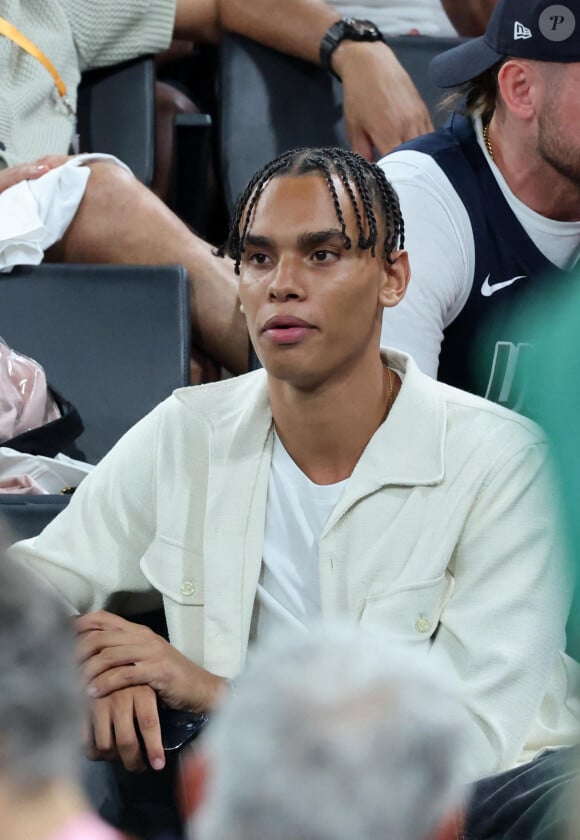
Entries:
{"x":188,"y":588}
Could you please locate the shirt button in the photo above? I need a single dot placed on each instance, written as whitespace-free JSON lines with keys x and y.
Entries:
{"x":187,"y":587}
{"x":422,"y":625}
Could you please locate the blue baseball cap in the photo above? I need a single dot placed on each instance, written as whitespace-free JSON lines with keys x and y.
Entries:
{"x":535,"y":29}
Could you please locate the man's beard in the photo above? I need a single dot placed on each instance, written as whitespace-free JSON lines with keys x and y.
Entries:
{"x":563,"y":158}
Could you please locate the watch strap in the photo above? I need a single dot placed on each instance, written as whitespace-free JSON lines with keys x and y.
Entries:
{"x":345,"y":29}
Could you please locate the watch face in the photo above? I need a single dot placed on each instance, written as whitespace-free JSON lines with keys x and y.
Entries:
{"x":364,"y":29}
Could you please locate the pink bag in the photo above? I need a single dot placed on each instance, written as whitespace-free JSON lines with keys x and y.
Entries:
{"x":25,"y":401}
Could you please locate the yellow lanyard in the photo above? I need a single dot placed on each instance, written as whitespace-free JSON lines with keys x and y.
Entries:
{"x":13,"y":34}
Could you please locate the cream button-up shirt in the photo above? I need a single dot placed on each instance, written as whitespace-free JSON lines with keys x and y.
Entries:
{"x":445,"y":538}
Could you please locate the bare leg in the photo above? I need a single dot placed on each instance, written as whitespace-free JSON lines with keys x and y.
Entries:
{"x":121,"y":221}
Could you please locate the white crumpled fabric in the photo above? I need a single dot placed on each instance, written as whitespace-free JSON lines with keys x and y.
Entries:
{"x":35,"y":214}
{"x":23,"y":473}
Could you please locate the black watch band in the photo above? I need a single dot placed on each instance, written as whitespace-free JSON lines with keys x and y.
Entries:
{"x":346,"y":29}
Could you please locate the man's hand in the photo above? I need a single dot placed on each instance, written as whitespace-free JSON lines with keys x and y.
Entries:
{"x":29,"y":171}
{"x":115,"y":722}
{"x":127,"y":667}
{"x":393,"y":114}
{"x":381,"y":105}
{"x":116,"y":653}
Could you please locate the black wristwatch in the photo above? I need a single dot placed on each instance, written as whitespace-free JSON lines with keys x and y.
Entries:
{"x":347,"y":29}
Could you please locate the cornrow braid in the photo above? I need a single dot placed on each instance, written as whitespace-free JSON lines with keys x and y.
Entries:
{"x":395,"y":236}
{"x":346,"y":180}
{"x":234,"y":244}
{"x":325,"y":169}
{"x":359,"y":178}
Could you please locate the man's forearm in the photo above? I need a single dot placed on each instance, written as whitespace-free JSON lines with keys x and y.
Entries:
{"x":292,"y":26}
{"x":382,"y":107}
{"x":469,"y":17}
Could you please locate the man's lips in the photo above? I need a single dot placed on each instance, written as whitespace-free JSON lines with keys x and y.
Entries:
{"x":281,"y":322}
{"x":286,"y":329}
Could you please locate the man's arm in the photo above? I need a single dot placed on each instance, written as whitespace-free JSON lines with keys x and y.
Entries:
{"x":503,"y":627}
{"x":90,"y":555}
{"x":469,"y":17}
{"x":381,"y":104}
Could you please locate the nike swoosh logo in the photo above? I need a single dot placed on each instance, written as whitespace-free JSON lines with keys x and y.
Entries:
{"x":488,"y":291}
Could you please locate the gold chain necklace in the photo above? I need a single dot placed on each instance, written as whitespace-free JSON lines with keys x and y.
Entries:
{"x":487,"y":141}
{"x":390,"y":395}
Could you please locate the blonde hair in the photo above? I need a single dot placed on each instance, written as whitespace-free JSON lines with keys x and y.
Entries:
{"x":478,"y":96}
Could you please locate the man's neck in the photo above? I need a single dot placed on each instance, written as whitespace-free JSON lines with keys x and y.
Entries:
{"x":36,"y":817}
{"x":530,"y":178}
{"x":326,"y":430}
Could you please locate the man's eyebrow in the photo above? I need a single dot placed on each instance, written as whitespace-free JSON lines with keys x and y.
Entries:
{"x":257,"y":241}
{"x":305,"y":240}
{"x":319,"y":237}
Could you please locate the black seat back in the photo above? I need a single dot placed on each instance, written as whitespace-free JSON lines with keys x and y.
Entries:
{"x":116,"y":114}
{"x":114,"y":340}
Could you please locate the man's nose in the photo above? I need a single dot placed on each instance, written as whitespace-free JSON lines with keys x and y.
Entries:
{"x":286,"y":281}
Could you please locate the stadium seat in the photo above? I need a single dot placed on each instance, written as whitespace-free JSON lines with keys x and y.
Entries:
{"x":272,"y":102}
{"x":114,"y":340}
{"x":116,"y":114}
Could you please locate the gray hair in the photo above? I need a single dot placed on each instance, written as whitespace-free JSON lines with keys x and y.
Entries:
{"x":331,"y":736}
{"x":40,"y":694}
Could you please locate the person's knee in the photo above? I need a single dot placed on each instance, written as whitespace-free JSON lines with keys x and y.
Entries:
{"x":109,"y":180}
{"x":110,"y":192}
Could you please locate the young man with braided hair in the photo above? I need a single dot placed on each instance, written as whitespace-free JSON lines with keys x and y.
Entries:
{"x":91,"y":210}
{"x":337,"y":481}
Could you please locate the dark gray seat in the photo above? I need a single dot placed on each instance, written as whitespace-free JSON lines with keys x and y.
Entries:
{"x":272,"y":102}
{"x":26,"y":516}
{"x":114,"y":340}
{"x":116,"y":114}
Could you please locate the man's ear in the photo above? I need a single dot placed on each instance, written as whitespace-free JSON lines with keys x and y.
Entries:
{"x":518,"y":81}
{"x":396,"y":279}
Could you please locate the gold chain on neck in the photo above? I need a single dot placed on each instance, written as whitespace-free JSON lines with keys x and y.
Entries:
{"x":487,"y":141}
{"x":390,"y":399}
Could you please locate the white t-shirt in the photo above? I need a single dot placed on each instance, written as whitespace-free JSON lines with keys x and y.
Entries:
{"x":395,"y":17}
{"x":439,"y":239}
{"x":297,"y":510}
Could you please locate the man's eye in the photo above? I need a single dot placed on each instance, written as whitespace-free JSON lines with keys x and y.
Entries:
{"x":323,"y":256}
{"x":258,"y":258}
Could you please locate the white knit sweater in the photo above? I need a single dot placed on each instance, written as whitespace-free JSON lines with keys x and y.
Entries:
{"x":75,"y":35}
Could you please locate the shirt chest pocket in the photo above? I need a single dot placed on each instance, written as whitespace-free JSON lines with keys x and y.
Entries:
{"x":174,"y":571}
{"x":411,"y":613}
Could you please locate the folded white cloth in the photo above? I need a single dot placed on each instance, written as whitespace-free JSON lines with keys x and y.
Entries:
{"x":42,"y":474}
{"x":35,"y":214}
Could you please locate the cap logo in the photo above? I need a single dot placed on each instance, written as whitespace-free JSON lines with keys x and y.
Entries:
{"x":521,"y":32}
{"x":557,"y":23}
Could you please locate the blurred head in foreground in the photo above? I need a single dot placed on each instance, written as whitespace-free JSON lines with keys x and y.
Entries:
{"x":40,"y":710}
{"x":332,"y":735}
